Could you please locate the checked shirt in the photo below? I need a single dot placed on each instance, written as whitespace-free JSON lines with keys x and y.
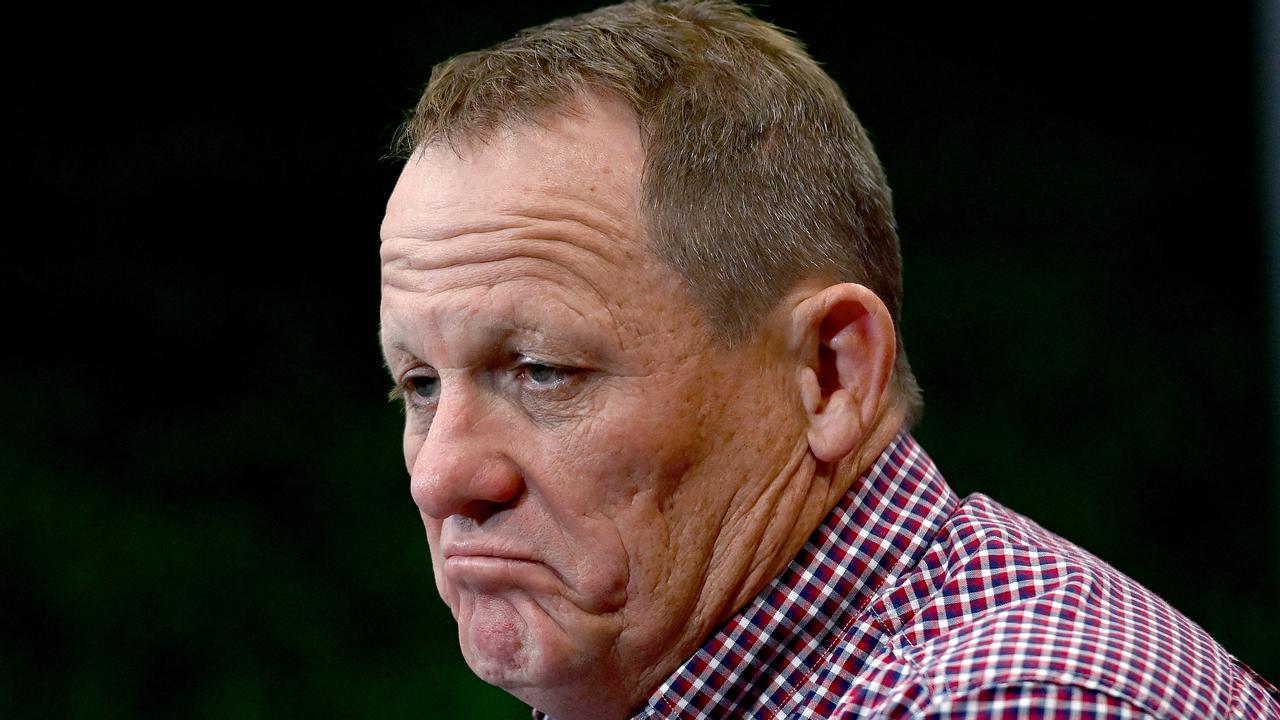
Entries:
{"x":908,"y":602}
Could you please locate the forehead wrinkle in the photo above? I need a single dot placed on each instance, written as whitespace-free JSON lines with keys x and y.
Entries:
{"x":480,"y":273}
{"x":559,"y":225}
{"x":456,"y":297}
{"x":489,"y":273}
{"x":553,"y":240}
{"x":616,"y":227}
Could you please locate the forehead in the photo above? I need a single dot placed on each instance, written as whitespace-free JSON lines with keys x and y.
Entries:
{"x":534,"y":225}
{"x":584,"y":162}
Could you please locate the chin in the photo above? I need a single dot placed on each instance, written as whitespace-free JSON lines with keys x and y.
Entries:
{"x":495,"y":641}
{"x":566,"y":663}
{"x":510,"y":642}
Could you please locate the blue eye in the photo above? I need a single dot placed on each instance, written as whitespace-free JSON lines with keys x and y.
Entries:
{"x":423,"y":386}
{"x":541,"y":374}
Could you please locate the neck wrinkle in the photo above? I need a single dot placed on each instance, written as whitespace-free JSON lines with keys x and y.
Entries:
{"x":744,"y":562}
{"x":797,"y":485}
{"x":778,"y":534}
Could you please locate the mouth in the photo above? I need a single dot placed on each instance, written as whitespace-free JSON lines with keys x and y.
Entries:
{"x":475,"y":552}
{"x":489,"y":569}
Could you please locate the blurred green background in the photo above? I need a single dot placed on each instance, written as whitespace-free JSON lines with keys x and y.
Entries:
{"x":205,"y":510}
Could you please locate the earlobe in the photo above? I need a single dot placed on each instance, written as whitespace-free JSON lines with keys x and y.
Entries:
{"x":848,"y":342}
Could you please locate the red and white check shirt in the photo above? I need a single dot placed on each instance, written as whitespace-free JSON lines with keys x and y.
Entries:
{"x":908,"y":602}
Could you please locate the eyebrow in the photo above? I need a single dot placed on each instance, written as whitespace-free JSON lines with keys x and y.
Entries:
{"x":386,"y":350}
{"x":395,"y":346}
{"x":501,"y":333}
{"x":497,"y":335}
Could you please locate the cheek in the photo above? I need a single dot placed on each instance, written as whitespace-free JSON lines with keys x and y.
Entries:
{"x":649,"y":437}
{"x":615,"y":482}
{"x":646,"y":547}
{"x":411,"y":442}
{"x":625,"y":453}
{"x":437,"y":560}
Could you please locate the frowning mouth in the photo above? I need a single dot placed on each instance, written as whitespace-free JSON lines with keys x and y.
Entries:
{"x":497,"y":569}
{"x":483,"y":560}
{"x":466,"y":552}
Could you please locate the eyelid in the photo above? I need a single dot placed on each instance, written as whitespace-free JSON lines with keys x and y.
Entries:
{"x":398,"y":389}
{"x":526,"y":360}
{"x":401,"y":390}
{"x":567,"y":373}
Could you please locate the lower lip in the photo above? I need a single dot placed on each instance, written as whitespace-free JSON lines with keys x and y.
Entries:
{"x":493,"y":572}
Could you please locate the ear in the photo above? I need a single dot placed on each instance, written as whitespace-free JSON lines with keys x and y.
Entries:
{"x":847,"y":344}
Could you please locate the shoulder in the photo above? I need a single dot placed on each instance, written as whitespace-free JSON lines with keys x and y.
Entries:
{"x":1021,"y":700}
{"x":1014,"y":701}
{"x":1001,"y":618}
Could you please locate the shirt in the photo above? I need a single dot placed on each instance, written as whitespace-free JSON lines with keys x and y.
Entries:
{"x":908,"y":602}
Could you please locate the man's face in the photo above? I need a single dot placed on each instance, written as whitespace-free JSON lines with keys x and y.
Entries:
{"x":579,"y":446}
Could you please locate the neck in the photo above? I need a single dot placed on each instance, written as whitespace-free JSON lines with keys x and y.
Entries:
{"x":788,"y":512}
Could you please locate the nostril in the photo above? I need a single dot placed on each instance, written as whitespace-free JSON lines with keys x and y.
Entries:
{"x":479,"y":512}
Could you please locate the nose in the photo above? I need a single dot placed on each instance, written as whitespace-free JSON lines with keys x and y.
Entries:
{"x":461,"y":468}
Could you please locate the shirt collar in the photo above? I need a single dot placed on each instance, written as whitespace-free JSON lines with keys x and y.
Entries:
{"x":877,"y":530}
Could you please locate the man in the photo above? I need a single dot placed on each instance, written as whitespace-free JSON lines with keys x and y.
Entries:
{"x":640,"y":292}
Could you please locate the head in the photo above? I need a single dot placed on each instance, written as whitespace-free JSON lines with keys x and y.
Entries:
{"x":757,"y":175}
{"x":640,"y":284}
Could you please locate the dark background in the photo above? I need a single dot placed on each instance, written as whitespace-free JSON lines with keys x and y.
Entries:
{"x":205,"y":510}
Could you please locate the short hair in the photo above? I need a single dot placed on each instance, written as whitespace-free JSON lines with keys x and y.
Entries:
{"x":757,"y":173}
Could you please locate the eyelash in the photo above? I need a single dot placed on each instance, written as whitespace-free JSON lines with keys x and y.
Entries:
{"x":566,"y":374}
{"x":403,"y":390}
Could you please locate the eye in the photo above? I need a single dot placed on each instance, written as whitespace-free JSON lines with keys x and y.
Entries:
{"x":420,"y":389}
{"x":544,"y":375}
{"x":424,"y":386}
